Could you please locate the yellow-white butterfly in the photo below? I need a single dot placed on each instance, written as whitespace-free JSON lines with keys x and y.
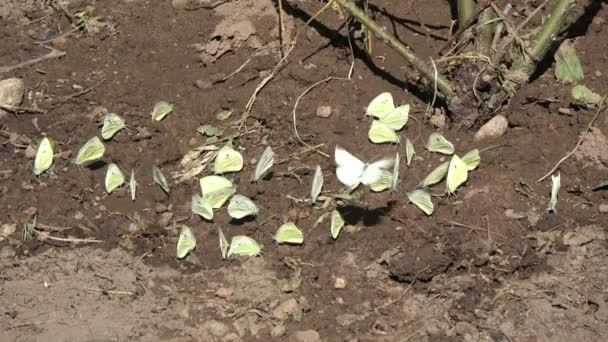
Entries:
{"x":457,"y":174}
{"x":44,"y":156}
{"x":114,"y":178}
{"x":352,"y":171}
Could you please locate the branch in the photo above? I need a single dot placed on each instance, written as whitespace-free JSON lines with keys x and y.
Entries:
{"x":465,"y":25}
{"x":465,"y":11}
{"x":444,"y":86}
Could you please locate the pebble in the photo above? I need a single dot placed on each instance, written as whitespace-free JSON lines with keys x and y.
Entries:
{"x":224,"y":292}
{"x":438,"y":120}
{"x":347,"y":319}
{"x":603,"y":208}
{"x":598,"y":73}
{"x":494,"y":128}
{"x":277,"y":331}
{"x":215,"y":328}
{"x":340,"y":283}
{"x":305,"y":336}
{"x":200,"y":84}
{"x":286,"y":309}
{"x":6,"y":230}
{"x":324,"y":111}
{"x":179,"y":4}
{"x":512,"y":214}
{"x":30,"y":152}
{"x":165,"y":218}
{"x":11,"y":93}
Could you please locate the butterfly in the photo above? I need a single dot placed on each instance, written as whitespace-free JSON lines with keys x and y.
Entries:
{"x":44,"y":156}
{"x":317,"y":185}
{"x":457,"y":174}
{"x":380,"y":133}
{"x":384,"y":183}
{"x":114,"y":177}
{"x":216,"y":190}
{"x":244,"y":246}
{"x":436,"y":175}
{"x":422,"y":200}
{"x":92,"y":151}
{"x":555,"y":185}
{"x":133,"y":185}
{"x":337,"y":222}
{"x":395,"y":175}
{"x":352,"y":171}
{"x":380,"y":106}
{"x":186,"y":242}
{"x":263,"y":165}
{"x":289,"y":233}
{"x":159,"y":178}
{"x":201,"y":207}
{"x":161,"y":109}
{"x":409,"y":151}
{"x":112,"y":123}
{"x":223,"y":243}
{"x":241,"y":206}
{"x":438,"y":143}
{"x":228,"y":160}
{"x":472,"y":159}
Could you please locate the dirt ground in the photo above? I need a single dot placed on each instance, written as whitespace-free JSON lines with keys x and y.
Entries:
{"x":495,"y":267}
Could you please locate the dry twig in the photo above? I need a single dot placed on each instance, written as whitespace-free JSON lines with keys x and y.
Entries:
{"x":54,"y":53}
{"x":601,"y":107}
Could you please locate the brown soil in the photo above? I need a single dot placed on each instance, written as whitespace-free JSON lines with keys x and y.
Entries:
{"x":474,"y":271}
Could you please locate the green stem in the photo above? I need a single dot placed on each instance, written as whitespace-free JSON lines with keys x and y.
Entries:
{"x":443,"y":85}
{"x":486,"y":31}
{"x":465,"y":10}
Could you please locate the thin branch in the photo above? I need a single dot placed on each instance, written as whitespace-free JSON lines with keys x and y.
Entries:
{"x":444,"y":86}
{"x":582,"y":137}
{"x":54,"y":53}
{"x":44,"y":235}
{"x":461,"y":28}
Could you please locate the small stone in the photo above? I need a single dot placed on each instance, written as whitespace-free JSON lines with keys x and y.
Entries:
{"x":165,"y":218}
{"x":305,"y":336}
{"x":565,"y":111}
{"x":512,"y":214}
{"x":463,"y":328}
{"x":438,"y":120}
{"x":30,"y":152}
{"x":161,"y":208}
{"x":277,"y":331}
{"x":340,"y":283}
{"x":179,"y":4}
{"x":200,"y":84}
{"x":11,"y":93}
{"x":598,"y":73}
{"x":6,"y":230}
{"x":286,"y":309}
{"x":340,"y":300}
{"x":215,"y":328}
{"x":224,"y":292}
{"x":494,"y":128}
{"x":102,"y":208}
{"x":324,"y":111}
{"x":603,"y":208}
{"x":78,"y":215}
{"x":347,"y":319}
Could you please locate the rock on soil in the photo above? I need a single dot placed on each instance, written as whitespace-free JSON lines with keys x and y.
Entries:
{"x":11,"y":93}
{"x":305,"y":336}
{"x":494,"y":128}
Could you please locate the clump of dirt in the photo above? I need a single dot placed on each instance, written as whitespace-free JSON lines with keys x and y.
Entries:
{"x":237,"y":27}
{"x":19,"y":10}
{"x":593,"y":152}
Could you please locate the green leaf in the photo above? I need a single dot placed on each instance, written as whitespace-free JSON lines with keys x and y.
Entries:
{"x":223,"y":115}
{"x":210,"y":131}
{"x":582,"y":94}
{"x":161,"y":109}
{"x":568,"y":67}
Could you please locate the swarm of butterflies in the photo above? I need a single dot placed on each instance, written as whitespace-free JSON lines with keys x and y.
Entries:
{"x":216,"y":189}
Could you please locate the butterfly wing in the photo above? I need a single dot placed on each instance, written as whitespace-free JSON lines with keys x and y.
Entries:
{"x":228,"y":160}
{"x":457,"y":174}
{"x":422,"y":200}
{"x":264,"y":164}
{"x":350,"y":169}
{"x":438,"y":143}
{"x":317,"y":185}
{"x":241,"y":206}
{"x":380,"y":133}
{"x":380,"y":106}
{"x":114,"y":178}
{"x":186,"y":242}
{"x":374,"y":171}
{"x":397,"y":118}
{"x":44,"y":156}
{"x":201,"y":207}
{"x":337,"y":222}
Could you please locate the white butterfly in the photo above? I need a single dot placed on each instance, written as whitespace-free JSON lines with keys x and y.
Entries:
{"x":352,"y":171}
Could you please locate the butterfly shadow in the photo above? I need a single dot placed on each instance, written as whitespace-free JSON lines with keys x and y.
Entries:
{"x":241,"y":221}
{"x":354,"y":214}
{"x":96,"y":165}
